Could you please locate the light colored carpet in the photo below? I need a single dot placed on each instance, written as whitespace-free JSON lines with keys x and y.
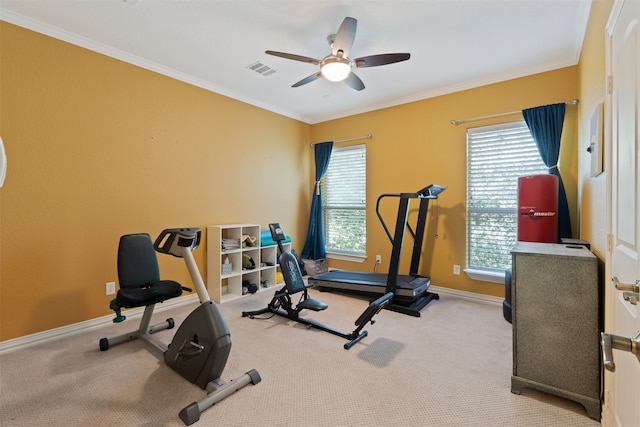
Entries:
{"x":450,"y":367}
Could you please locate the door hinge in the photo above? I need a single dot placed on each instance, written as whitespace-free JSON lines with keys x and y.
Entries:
{"x":609,"y":85}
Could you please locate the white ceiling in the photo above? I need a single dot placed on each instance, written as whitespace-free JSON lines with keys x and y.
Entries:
{"x":454,"y":44}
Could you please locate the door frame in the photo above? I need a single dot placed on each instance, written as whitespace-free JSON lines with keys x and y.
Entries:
{"x":610,"y":297}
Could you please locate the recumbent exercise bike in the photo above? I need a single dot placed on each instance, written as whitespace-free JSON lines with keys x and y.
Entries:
{"x":200,"y":348}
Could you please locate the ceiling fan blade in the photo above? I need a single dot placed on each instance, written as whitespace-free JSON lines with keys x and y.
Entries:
{"x":354,"y":82}
{"x":344,"y":37}
{"x":383,"y":59}
{"x":294,"y":57}
{"x":309,"y":79}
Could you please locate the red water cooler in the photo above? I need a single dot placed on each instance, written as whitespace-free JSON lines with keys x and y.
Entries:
{"x":538,"y":208}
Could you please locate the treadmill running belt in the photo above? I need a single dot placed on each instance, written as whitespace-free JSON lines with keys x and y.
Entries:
{"x":407,"y":287}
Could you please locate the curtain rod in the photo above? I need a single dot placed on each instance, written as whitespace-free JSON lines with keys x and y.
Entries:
{"x":338,"y":141}
{"x":490,"y":116}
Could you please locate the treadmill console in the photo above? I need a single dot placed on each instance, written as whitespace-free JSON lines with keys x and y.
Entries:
{"x":431,"y":191}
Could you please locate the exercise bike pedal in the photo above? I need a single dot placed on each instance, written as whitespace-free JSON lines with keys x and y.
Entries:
{"x":115,"y":306}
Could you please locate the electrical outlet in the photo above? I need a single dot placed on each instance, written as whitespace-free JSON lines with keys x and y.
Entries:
{"x":456,"y":269}
{"x":378,"y":259}
{"x":111,"y":288}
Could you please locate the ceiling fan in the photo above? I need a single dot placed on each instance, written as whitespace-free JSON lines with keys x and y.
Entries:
{"x":337,"y":66}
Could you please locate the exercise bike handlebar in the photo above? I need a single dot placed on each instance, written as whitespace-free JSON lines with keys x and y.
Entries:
{"x":173,"y":240}
{"x":181,"y":242}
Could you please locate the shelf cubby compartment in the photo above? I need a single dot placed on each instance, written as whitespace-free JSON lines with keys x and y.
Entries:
{"x":225,"y":242}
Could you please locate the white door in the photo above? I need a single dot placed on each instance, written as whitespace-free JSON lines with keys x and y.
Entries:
{"x":622,"y":387}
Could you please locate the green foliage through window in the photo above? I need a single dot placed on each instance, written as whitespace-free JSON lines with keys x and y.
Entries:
{"x":496,"y":157}
{"x":344,"y":200}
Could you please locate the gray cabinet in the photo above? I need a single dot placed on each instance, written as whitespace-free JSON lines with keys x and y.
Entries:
{"x":556,"y":302}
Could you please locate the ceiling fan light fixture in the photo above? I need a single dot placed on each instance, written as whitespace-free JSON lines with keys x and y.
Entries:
{"x":335,"y":68}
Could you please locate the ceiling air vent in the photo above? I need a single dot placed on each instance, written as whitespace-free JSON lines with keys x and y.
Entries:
{"x":260,"y":68}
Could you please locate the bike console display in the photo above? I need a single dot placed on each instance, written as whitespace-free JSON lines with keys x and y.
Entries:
{"x":173,"y":240}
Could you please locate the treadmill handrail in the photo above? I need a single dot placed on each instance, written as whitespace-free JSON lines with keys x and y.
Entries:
{"x":417,"y":195}
{"x":431,"y":191}
{"x":384,"y":225}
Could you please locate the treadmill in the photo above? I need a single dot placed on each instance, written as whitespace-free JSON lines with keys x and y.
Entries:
{"x":410,"y":291}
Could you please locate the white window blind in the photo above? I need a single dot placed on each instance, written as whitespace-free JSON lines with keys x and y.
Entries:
{"x":496,"y":157}
{"x":344,"y":200}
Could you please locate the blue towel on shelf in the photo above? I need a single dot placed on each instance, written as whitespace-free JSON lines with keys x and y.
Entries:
{"x":266,"y":240}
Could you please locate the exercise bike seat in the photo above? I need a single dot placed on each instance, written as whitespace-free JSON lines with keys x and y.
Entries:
{"x":139,"y":274}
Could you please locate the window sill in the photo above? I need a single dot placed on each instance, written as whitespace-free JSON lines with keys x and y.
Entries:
{"x":485,"y":276}
{"x":346,"y":257}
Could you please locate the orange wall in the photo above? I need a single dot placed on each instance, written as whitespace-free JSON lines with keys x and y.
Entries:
{"x":415,"y":144}
{"x":98,"y":148}
{"x":592,"y":78}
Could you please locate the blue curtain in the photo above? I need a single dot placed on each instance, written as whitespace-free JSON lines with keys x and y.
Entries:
{"x":545,"y":124}
{"x":314,"y":246}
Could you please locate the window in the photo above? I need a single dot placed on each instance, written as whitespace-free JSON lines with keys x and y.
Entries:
{"x":496,"y":157}
{"x":344,"y":201}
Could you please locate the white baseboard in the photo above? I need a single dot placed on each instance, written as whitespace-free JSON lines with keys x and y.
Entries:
{"x":66,"y":331}
{"x":472,"y":296}
{"x":88,"y":325}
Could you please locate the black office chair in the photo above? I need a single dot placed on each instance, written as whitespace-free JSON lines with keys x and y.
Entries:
{"x":140,"y":286}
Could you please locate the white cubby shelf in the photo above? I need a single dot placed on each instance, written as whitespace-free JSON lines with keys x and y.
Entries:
{"x":225,"y":242}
